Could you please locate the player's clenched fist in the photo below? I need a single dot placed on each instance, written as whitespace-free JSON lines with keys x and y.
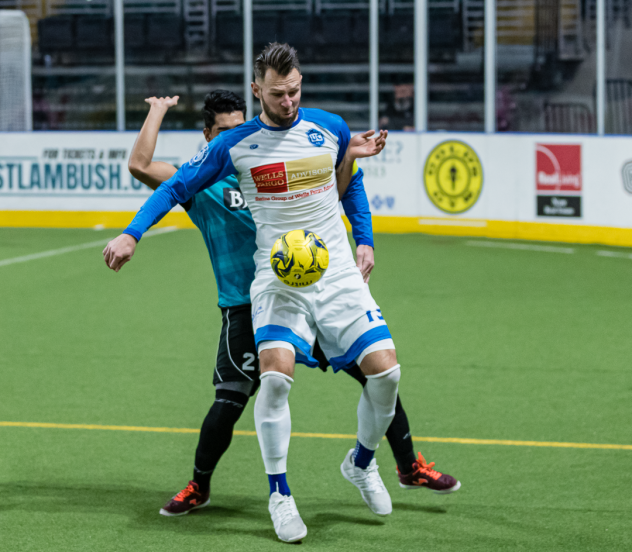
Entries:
{"x":119,"y":251}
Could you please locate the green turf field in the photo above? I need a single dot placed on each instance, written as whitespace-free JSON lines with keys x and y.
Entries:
{"x":495,"y":343}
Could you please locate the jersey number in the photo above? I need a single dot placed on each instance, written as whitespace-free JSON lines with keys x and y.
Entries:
{"x":378,"y":315}
{"x":247,"y":366}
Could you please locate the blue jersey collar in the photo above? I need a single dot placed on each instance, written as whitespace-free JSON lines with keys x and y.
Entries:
{"x":298,"y":120}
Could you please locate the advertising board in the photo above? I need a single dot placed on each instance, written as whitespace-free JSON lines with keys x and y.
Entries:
{"x":550,"y":187}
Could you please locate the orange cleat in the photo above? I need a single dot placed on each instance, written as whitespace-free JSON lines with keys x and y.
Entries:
{"x":186,"y":500}
{"x":422,"y":475}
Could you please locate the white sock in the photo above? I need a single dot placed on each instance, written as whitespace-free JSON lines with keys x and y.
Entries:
{"x":377,"y":407}
{"x":272,"y":420}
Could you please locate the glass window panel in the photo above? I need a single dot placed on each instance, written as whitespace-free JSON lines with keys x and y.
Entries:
{"x":618,"y":66}
{"x":72,"y":63}
{"x":183,"y":48}
{"x":397,"y":69}
{"x":456,"y":97}
{"x":546,"y":59}
{"x":332,"y":40}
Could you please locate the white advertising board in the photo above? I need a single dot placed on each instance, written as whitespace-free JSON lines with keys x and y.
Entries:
{"x":579,"y":180}
{"x":437,"y":178}
{"x":80,"y":171}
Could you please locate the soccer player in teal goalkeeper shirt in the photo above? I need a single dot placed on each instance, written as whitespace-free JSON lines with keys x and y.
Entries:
{"x":222,"y":216}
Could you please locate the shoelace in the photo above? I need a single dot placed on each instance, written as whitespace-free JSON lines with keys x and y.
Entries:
{"x":184,"y":493}
{"x":425,"y":469}
{"x":372,"y":482}
{"x":285,"y":510}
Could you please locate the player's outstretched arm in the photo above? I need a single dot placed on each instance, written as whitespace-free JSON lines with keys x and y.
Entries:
{"x":209,"y":166}
{"x":141,"y":164}
{"x":360,"y":146}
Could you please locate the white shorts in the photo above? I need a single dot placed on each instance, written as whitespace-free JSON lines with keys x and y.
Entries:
{"x":338,"y":310}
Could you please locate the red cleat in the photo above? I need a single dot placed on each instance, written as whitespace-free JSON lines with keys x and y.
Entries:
{"x":186,"y":500}
{"x":422,"y":475}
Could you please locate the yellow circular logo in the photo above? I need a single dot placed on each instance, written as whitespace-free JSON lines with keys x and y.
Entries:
{"x":453,"y":176}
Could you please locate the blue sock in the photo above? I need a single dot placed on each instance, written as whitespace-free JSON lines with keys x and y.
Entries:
{"x":362,"y":456}
{"x":278,"y":484}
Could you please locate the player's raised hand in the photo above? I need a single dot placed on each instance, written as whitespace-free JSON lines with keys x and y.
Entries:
{"x":366,"y":144}
{"x":162,"y":103}
{"x":119,"y":251}
{"x":365,"y":261}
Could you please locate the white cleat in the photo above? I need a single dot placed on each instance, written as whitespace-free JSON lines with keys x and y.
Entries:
{"x":287,"y":521}
{"x":370,"y":484}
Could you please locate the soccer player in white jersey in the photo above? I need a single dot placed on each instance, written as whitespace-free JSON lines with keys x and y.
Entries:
{"x":286,"y":162}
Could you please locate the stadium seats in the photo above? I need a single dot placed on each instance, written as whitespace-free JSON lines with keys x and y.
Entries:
{"x":266,"y":28}
{"x":164,"y":32}
{"x":135,"y":32}
{"x":229,"y":34}
{"x":443,"y":31}
{"x":56,"y":34}
{"x":336,"y":29}
{"x":94,"y":33}
{"x":297,"y":29}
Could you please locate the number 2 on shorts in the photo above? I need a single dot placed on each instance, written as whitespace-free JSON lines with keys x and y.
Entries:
{"x":247,"y":366}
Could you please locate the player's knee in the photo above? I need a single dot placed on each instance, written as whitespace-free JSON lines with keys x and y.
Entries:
{"x":277,"y":356}
{"x":382,"y":389}
{"x":226,"y":409}
{"x":378,"y":362}
{"x":275,"y":388}
{"x":391,"y":375}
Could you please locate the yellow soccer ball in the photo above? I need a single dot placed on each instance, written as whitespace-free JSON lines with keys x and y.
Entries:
{"x":299,"y":258}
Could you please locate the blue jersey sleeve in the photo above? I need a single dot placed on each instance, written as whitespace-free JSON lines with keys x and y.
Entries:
{"x":334,"y":124}
{"x":209,"y":166}
{"x":356,"y":206}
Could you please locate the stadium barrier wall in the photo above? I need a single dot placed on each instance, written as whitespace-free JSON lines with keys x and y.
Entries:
{"x":566,"y":188}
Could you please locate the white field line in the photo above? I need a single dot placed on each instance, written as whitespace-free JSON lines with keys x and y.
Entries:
{"x":522,"y":246}
{"x":54,"y":252}
{"x":604,"y":253}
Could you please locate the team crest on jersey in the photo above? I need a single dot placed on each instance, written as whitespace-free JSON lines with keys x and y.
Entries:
{"x":315,"y":137}
{"x":200,"y":157}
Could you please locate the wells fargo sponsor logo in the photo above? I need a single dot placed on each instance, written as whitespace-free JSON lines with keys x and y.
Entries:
{"x":453,"y":176}
{"x":301,"y":174}
{"x":270,"y":178}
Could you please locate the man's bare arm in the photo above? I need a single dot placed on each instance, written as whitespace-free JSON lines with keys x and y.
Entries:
{"x":141,"y":164}
{"x":360,"y":146}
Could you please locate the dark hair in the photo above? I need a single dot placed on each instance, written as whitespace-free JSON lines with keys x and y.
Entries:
{"x":280,"y":57}
{"x":221,"y":101}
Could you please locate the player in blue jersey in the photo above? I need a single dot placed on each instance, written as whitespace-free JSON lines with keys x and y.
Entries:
{"x":290,"y":184}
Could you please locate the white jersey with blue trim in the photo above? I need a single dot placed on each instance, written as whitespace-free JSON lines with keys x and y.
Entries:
{"x":287,"y":177}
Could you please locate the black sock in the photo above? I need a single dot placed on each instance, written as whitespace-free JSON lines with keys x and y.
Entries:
{"x":216,"y":434}
{"x":398,"y":435}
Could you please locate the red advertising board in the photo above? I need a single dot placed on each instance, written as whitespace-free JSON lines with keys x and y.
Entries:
{"x":558,"y":168}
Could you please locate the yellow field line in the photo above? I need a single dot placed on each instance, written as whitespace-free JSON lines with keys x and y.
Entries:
{"x":551,"y":444}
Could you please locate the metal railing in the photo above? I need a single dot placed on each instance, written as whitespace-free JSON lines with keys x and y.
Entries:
{"x":573,"y":118}
{"x":619,"y":93}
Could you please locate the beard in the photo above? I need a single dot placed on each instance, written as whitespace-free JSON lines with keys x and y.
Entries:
{"x":275,"y":117}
